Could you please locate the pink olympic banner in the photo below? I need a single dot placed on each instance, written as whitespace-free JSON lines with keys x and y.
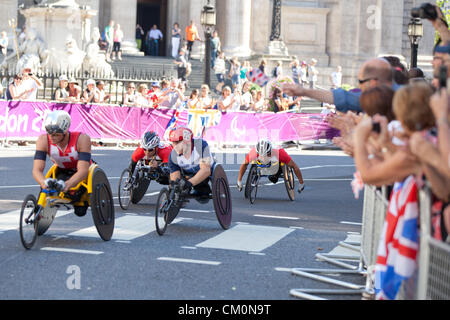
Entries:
{"x":20,"y":119}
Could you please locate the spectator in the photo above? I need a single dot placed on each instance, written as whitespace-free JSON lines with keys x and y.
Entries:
{"x":16,"y":90}
{"x":182,"y":65}
{"x":235,"y":72}
{"x":74,"y":90}
{"x":206,"y":102}
{"x":295,"y":68}
{"x":372,"y":73}
{"x":246,"y":100}
{"x":118,"y":38}
{"x":193,"y":101}
{"x":312,"y":73}
{"x":30,"y":83}
{"x":62,"y":93}
{"x":412,"y":109}
{"x":260,"y":104}
{"x":142,"y":98}
{"x":220,"y":71}
{"x":22,"y":36}
{"x":176,"y":39}
{"x":101,"y":96}
{"x":109,"y":38}
{"x":415,"y":74}
{"x":130,"y":96}
{"x":280,"y":103}
{"x":336,"y":78}
{"x":170,"y":97}
{"x":139,"y":36}
{"x":278,"y":70}
{"x":227,"y":101}
{"x":215,"y":47}
{"x":399,"y":70}
{"x":244,"y":69}
{"x":154,"y":36}
{"x":4,"y":43}
{"x":262,"y":65}
{"x":304,"y":74}
{"x":191,"y":36}
{"x":90,"y":94}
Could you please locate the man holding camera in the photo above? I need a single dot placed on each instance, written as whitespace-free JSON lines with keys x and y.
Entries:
{"x":30,"y":83}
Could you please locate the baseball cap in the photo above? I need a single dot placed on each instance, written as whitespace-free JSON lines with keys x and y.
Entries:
{"x":63,"y":78}
{"x":90,"y":81}
{"x":155,"y":84}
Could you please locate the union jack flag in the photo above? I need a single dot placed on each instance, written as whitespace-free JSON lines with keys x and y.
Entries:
{"x":399,"y":244}
{"x":176,"y":120}
{"x":258,"y":77}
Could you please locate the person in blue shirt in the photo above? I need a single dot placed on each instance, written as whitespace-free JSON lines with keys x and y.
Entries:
{"x":192,"y":159}
{"x":372,"y":73}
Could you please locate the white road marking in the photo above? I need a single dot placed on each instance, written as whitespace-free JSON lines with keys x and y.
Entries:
{"x":187,"y":247}
{"x":10,"y":220}
{"x":275,"y":217}
{"x":191,"y":210}
{"x":299,"y":228}
{"x":257,"y":253}
{"x":283,"y":269}
{"x":352,"y":223}
{"x":213,"y":263}
{"x":126,"y":228}
{"x":67,"y":250}
{"x":251,"y":238}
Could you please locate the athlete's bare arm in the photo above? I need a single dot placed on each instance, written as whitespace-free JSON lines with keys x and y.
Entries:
{"x":83,"y":145}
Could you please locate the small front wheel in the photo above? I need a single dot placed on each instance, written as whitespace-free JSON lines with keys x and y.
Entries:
{"x":161,"y":211}
{"x":125,"y":191}
{"x":28,"y":222}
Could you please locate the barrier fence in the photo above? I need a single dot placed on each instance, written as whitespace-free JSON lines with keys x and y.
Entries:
{"x":23,"y":119}
{"x":431,"y":280}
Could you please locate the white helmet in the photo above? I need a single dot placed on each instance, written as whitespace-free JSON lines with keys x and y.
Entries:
{"x":57,"y":121}
{"x":150,"y":140}
{"x":264,"y":147}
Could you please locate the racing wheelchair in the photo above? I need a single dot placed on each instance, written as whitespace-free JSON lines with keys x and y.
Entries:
{"x":36,"y":216}
{"x":271,"y":170}
{"x":173,"y":198}
{"x":133,"y":186}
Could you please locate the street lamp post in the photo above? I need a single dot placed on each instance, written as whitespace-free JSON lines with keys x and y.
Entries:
{"x":208,"y":21}
{"x":415,"y":32}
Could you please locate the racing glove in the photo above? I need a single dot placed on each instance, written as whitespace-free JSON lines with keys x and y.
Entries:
{"x":301,"y":187}
{"x":239,"y":185}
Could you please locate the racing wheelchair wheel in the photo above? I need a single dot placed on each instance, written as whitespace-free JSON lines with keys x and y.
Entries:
{"x":251,"y":186}
{"x":125,"y":192}
{"x":161,"y":211}
{"x":141,"y":188}
{"x":102,"y":205}
{"x":221,"y":197}
{"x":289,"y":182}
{"x":28,"y":222}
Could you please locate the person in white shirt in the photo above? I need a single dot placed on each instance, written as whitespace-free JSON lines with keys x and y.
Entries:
{"x":206,"y":102}
{"x":228,"y":101}
{"x":154,"y":36}
{"x":247,"y":99}
{"x":336,"y":78}
{"x":220,"y":70}
{"x":313,"y":73}
{"x":30,"y":83}
{"x":4,"y":43}
{"x":102,"y":97}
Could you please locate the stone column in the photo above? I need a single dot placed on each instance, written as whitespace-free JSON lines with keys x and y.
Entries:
{"x":234,"y":24}
{"x":125,"y":14}
{"x":195,"y":10}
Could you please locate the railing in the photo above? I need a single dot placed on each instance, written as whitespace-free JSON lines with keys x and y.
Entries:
{"x":115,"y":86}
{"x":432,"y":277}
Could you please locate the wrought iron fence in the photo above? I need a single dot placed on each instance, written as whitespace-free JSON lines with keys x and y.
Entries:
{"x":115,"y":85}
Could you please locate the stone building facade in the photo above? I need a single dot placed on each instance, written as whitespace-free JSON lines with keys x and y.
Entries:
{"x":335,"y":32}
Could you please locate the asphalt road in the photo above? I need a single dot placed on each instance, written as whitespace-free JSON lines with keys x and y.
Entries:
{"x":195,"y":259}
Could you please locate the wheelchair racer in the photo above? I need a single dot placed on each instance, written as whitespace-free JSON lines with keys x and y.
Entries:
{"x":191,"y":159}
{"x":266,"y":155}
{"x":152,"y":149}
{"x":70,"y":151}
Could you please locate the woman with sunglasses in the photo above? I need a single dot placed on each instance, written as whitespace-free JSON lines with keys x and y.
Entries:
{"x":151,"y":149}
{"x":70,"y":151}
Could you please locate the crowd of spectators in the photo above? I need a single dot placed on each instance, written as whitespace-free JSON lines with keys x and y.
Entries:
{"x":396,"y":124}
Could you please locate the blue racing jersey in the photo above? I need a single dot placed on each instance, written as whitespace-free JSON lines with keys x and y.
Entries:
{"x":200,"y":150}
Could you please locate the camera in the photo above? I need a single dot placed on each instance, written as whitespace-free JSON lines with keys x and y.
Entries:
{"x":425,"y":11}
{"x":376,"y":127}
{"x":443,"y":76}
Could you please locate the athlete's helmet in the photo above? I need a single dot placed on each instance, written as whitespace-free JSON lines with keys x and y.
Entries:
{"x":180,"y":134}
{"x":150,"y":140}
{"x":264,"y":147}
{"x":57,"y":121}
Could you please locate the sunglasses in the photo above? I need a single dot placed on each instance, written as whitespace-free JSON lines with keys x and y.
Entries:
{"x":52,"y":130}
{"x":149,"y":150}
{"x":365,"y":80}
